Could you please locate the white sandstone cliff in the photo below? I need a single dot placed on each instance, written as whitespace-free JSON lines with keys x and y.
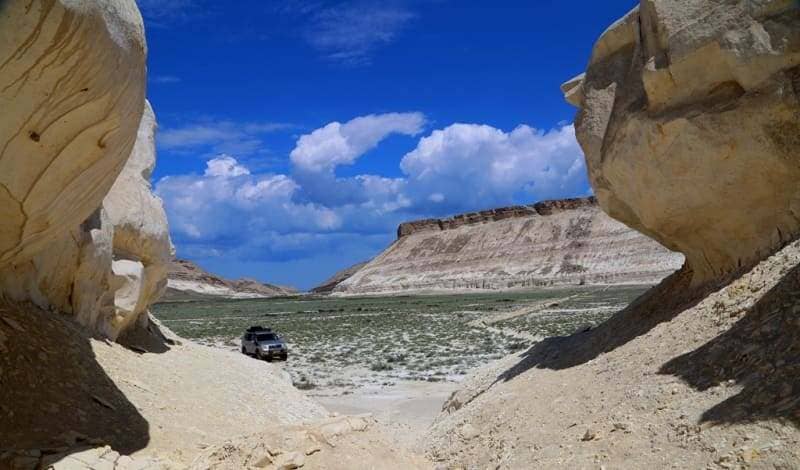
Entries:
{"x":82,"y":234}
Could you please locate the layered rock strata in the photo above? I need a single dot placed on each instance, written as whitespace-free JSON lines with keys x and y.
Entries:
{"x":561,"y":242}
{"x":72,"y":84}
{"x":187,"y":277}
{"x":690,"y":123}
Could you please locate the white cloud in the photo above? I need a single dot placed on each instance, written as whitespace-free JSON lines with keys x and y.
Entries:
{"x":239,"y":213}
{"x":228,"y":202}
{"x":474,"y":166}
{"x":351,"y":32}
{"x":341,"y":144}
{"x":221,"y":136}
{"x":225,"y":166}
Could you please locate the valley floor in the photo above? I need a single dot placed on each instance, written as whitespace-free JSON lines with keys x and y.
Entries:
{"x":405,"y":411}
{"x":684,"y":377}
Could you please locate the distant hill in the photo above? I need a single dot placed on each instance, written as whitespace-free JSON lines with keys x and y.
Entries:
{"x":561,"y":242}
{"x":330,"y":284}
{"x":188,"y":281}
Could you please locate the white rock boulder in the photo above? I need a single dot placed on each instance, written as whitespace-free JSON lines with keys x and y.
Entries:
{"x":142,"y":247}
{"x":690,"y":123}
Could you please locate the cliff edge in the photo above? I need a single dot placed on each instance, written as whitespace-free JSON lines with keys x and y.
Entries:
{"x":561,"y":242}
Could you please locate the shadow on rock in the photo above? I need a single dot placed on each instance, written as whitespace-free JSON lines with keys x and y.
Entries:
{"x":760,"y":353}
{"x":152,"y":338}
{"x":660,"y":304}
{"x":54,"y":395}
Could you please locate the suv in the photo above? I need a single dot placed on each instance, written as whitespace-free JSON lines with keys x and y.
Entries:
{"x":263,"y":343}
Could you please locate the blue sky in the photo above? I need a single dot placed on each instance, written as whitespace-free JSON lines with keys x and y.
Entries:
{"x":295,"y":135}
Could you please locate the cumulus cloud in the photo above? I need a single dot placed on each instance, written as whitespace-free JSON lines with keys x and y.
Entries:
{"x":341,"y":144}
{"x":225,"y":166}
{"x":234,"y":212}
{"x":469,"y":166}
{"x":229,"y":203}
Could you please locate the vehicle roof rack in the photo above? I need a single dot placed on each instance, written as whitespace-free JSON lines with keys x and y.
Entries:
{"x":254,"y":329}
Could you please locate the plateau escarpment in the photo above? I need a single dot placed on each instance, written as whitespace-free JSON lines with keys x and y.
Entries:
{"x":561,"y":242}
{"x":689,"y":123}
{"x":339,"y":277}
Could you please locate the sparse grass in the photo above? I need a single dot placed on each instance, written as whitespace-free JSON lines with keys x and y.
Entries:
{"x":337,"y":342}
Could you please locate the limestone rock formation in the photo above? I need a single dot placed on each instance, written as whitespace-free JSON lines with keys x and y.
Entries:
{"x":690,"y":122}
{"x":71,"y":275}
{"x":108,"y":270}
{"x":188,"y":280}
{"x":562,"y":242}
{"x":74,"y":75}
{"x":142,"y":247}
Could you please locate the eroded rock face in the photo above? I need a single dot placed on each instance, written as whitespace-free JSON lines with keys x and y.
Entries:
{"x":690,"y":122}
{"x":108,"y":270}
{"x":71,"y":275}
{"x":72,"y":83}
{"x":142,"y":247}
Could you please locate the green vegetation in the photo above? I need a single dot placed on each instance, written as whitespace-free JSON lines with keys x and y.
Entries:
{"x":345,"y":342}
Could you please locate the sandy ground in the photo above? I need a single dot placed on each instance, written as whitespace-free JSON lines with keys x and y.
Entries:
{"x":685,"y":377}
{"x":404,"y":411}
{"x":76,"y":402}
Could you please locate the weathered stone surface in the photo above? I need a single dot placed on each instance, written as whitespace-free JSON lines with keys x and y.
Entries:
{"x":561,"y":242}
{"x":71,"y":275}
{"x":74,"y":75}
{"x":690,"y":123}
{"x":107,"y":271}
{"x":142,"y":247}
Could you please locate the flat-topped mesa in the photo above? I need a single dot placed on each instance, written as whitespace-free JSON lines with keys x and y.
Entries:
{"x":566,"y":242}
{"x":690,"y":123}
{"x":493,"y":215}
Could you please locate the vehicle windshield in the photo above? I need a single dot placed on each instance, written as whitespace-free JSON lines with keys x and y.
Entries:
{"x":266,"y":337}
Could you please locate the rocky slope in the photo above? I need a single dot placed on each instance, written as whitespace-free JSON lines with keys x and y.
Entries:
{"x":330,"y":284}
{"x":83,"y":403}
{"x":683,"y":378}
{"x":188,"y":279}
{"x":569,"y":241}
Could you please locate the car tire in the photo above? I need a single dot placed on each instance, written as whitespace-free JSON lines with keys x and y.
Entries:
{"x":244,"y":350}
{"x":284,"y":357}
